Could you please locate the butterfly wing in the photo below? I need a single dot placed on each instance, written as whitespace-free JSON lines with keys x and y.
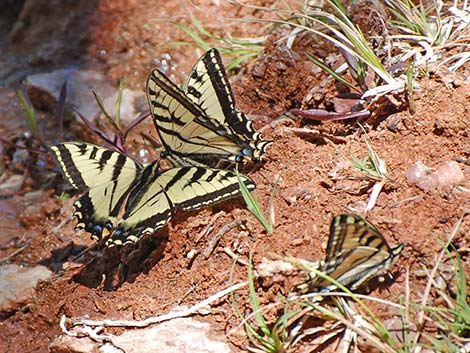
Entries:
{"x":106,"y":178}
{"x":356,"y":252}
{"x":153,"y":199}
{"x":209,"y":87}
{"x":189,"y":137}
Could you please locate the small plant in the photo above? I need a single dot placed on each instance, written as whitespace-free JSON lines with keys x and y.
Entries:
{"x":30,"y":114}
{"x":118,"y":137}
{"x":371,"y":167}
{"x":263,"y":337}
{"x":255,"y":208}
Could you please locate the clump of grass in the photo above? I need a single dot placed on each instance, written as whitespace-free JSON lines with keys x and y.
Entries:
{"x":426,"y":31}
{"x":241,"y":49}
{"x":371,"y":167}
{"x":264,"y":337}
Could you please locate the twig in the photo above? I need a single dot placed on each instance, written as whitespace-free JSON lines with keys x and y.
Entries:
{"x":215,"y":240}
{"x":151,"y":320}
{"x":61,"y":224}
{"x":401,"y":202}
{"x":210,"y":226}
{"x":235,"y":256}
{"x":13,"y":254}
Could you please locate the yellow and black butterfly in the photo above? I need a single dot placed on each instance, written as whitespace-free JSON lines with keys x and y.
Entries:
{"x":355,"y":253}
{"x":199,"y":124}
{"x":125,"y":199}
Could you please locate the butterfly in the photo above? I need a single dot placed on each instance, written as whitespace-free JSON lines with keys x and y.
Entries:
{"x":199,"y":124}
{"x":125,"y":199}
{"x":355,"y":253}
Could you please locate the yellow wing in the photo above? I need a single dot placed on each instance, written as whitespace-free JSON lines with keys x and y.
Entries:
{"x":126,"y":200}
{"x":201,"y":123}
{"x":356,"y":252}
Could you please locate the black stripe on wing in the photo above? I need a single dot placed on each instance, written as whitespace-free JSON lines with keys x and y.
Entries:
{"x":356,"y":252}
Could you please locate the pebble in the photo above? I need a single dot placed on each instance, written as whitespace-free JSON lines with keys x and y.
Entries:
{"x":427,"y":179}
{"x":16,"y":284}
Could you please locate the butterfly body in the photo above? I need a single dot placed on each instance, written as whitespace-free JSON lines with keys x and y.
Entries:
{"x":356,"y":252}
{"x":125,"y":199}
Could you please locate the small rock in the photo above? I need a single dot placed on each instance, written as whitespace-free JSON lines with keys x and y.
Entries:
{"x":268,"y":268}
{"x":428,"y":182}
{"x":16,"y":284}
{"x":422,"y":176}
{"x":32,"y":215}
{"x":416,"y":172}
{"x":67,"y":344}
{"x":175,"y":336}
{"x":44,"y":90}
{"x":11,"y":185}
{"x":449,"y":173}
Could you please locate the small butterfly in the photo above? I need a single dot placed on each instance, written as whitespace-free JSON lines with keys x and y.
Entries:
{"x":355,"y":253}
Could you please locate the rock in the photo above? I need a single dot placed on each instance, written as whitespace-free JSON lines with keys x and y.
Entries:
{"x":67,"y":344}
{"x":417,"y":171}
{"x":10,"y":228}
{"x":13,"y":119}
{"x":449,"y":173}
{"x":175,"y":336}
{"x":132,"y":103}
{"x":11,"y":185}
{"x":422,"y":176}
{"x":17,"y":283}
{"x":44,"y":90}
{"x":44,"y":34}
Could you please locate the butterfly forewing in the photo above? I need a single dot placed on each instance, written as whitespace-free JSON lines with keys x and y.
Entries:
{"x":182,"y":126}
{"x":356,"y":252}
{"x":200,"y":123}
{"x":209,"y":87}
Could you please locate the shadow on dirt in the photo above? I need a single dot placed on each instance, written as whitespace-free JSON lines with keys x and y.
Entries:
{"x":109,"y":268}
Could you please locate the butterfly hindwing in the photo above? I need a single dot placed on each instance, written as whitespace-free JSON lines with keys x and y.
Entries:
{"x":356,"y":252}
{"x":159,"y":194}
{"x":106,"y":178}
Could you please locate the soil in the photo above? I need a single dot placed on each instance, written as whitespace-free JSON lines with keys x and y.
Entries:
{"x":314,"y":179}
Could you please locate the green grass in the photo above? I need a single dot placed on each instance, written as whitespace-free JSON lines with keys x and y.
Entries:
{"x":371,"y":165}
{"x":263,"y":337}
{"x":254,"y":207}
{"x":241,"y":49}
{"x":30,"y":114}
